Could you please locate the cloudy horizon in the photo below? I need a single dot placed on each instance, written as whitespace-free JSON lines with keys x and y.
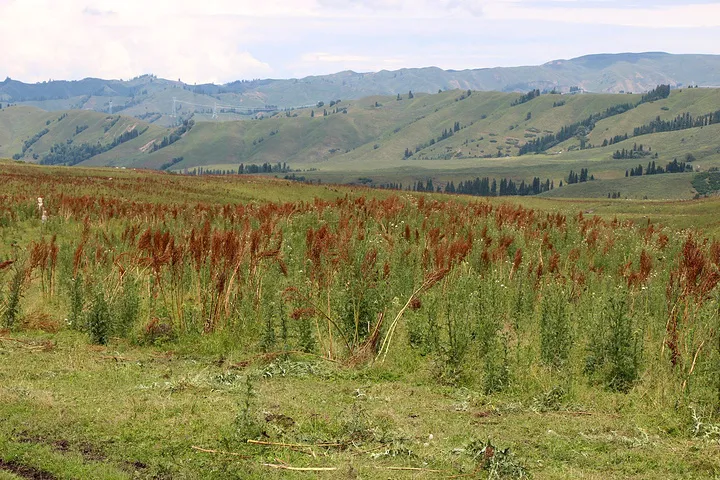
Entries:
{"x":221,"y":41}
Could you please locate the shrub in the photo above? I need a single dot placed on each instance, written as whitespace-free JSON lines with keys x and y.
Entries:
{"x":615,"y":347}
{"x":76,"y":296}
{"x":497,"y":367}
{"x":99,"y":320}
{"x":11,"y":304}
{"x":555,"y":334}
{"x":127,"y":308}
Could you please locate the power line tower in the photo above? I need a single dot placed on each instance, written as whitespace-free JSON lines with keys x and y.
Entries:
{"x":174,"y":109}
{"x":215,"y":115}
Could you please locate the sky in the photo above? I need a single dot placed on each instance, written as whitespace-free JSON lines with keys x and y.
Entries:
{"x":225,"y":40}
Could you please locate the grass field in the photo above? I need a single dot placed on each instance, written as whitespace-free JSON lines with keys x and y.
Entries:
{"x":163,"y":326}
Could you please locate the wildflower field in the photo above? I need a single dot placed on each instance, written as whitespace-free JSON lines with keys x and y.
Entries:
{"x":160,"y":326}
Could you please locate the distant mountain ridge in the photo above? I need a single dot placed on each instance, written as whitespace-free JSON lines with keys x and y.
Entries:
{"x":152,"y":96}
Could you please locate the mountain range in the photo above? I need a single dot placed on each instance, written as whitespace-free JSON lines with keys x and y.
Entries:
{"x":551,"y":131}
{"x":151,"y":98}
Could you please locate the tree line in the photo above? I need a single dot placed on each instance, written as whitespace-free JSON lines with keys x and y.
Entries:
{"x":69,"y":154}
{"x":637,"y":151}
{"x":175,"y":135}
{"x":566,"y":132}
{"x":542,"y":144}
{"x":652,"y":169}
{"x":681,"y":122}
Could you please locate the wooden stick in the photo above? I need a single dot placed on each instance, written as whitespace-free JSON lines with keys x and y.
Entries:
{"x":207,"y":450}
{"x":692,"y":367}
{"x":29,"y":345}
{"x":16,"y":340}
{"x":296,"y":445}
{"x":299,"y":469}
{"x":411,"y":469}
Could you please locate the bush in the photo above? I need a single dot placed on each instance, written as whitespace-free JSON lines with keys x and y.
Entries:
{"x":615,"y":348}
{"x":127,"y":308}
{"x":76,"y":295}
{"x":555,"y":335}
{"x":99,"y":320}
{"x":14,"y":295}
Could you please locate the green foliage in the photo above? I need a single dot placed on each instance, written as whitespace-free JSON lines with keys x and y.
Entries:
{"x":550,"y":401}
{"x":658,"y":93}
{"x":247,"y":424}
{"x":706,"y":183}
{"x":555,"y":328}
{"x":455,"y":347}
{"x":126,"y":307}
{"x":29,"y":143}
{"x":99,"y":320}
{"x":615,"y":346}
{"x":306,"y":337}
{"x":269,"y":337}
{"x":497,"y":367}
{"x":76,"y":299}
{"x":11,"y":303}
{"x":498,"y":463}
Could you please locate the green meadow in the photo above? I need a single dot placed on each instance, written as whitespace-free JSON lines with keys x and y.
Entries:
{"x":156,"y":325}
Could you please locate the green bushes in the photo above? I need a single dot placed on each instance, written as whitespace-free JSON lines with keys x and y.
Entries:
{"x":126,"y":308}
{"x":496,"y":297}
{"x":615,"y":348}
{"x":13,"y":295}
{"x":555,"y":328}
{"x":99,"y":320}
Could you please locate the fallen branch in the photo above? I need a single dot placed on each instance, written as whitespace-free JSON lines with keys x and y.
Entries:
{"x":16,"y":340}
{"x":295,"y":445}
{"x":299,"y":469}
{"x":207,"y":450}
{"x":45,"y":345}
{"x":411,"y":469}
{"x":117,"y":358}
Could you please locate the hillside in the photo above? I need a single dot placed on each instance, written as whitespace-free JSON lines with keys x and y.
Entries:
{"x":447,"y":137}
{"x":34,"y":135}
{"x":151,"y":98}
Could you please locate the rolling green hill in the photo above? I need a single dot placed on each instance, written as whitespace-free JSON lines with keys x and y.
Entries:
{"x":447,"y":137}
{"x":31,"y":134}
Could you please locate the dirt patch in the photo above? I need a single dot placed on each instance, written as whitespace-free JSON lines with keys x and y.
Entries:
{"x":88,"y":451}
{"x":145,"y":147}
{"x":91,"y":453}
{"x":134,"y":467}
{"x":26,"y":471}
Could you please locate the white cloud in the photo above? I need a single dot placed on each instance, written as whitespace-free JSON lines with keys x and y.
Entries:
{"x":41,"y":40}
{"x":224,"y":40}
{"x":698,"y":15}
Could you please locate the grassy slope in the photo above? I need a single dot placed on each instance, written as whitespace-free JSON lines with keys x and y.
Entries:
{"x":370,"y":141}
{"x":18,"y":124}
{"x":376,"y":138}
